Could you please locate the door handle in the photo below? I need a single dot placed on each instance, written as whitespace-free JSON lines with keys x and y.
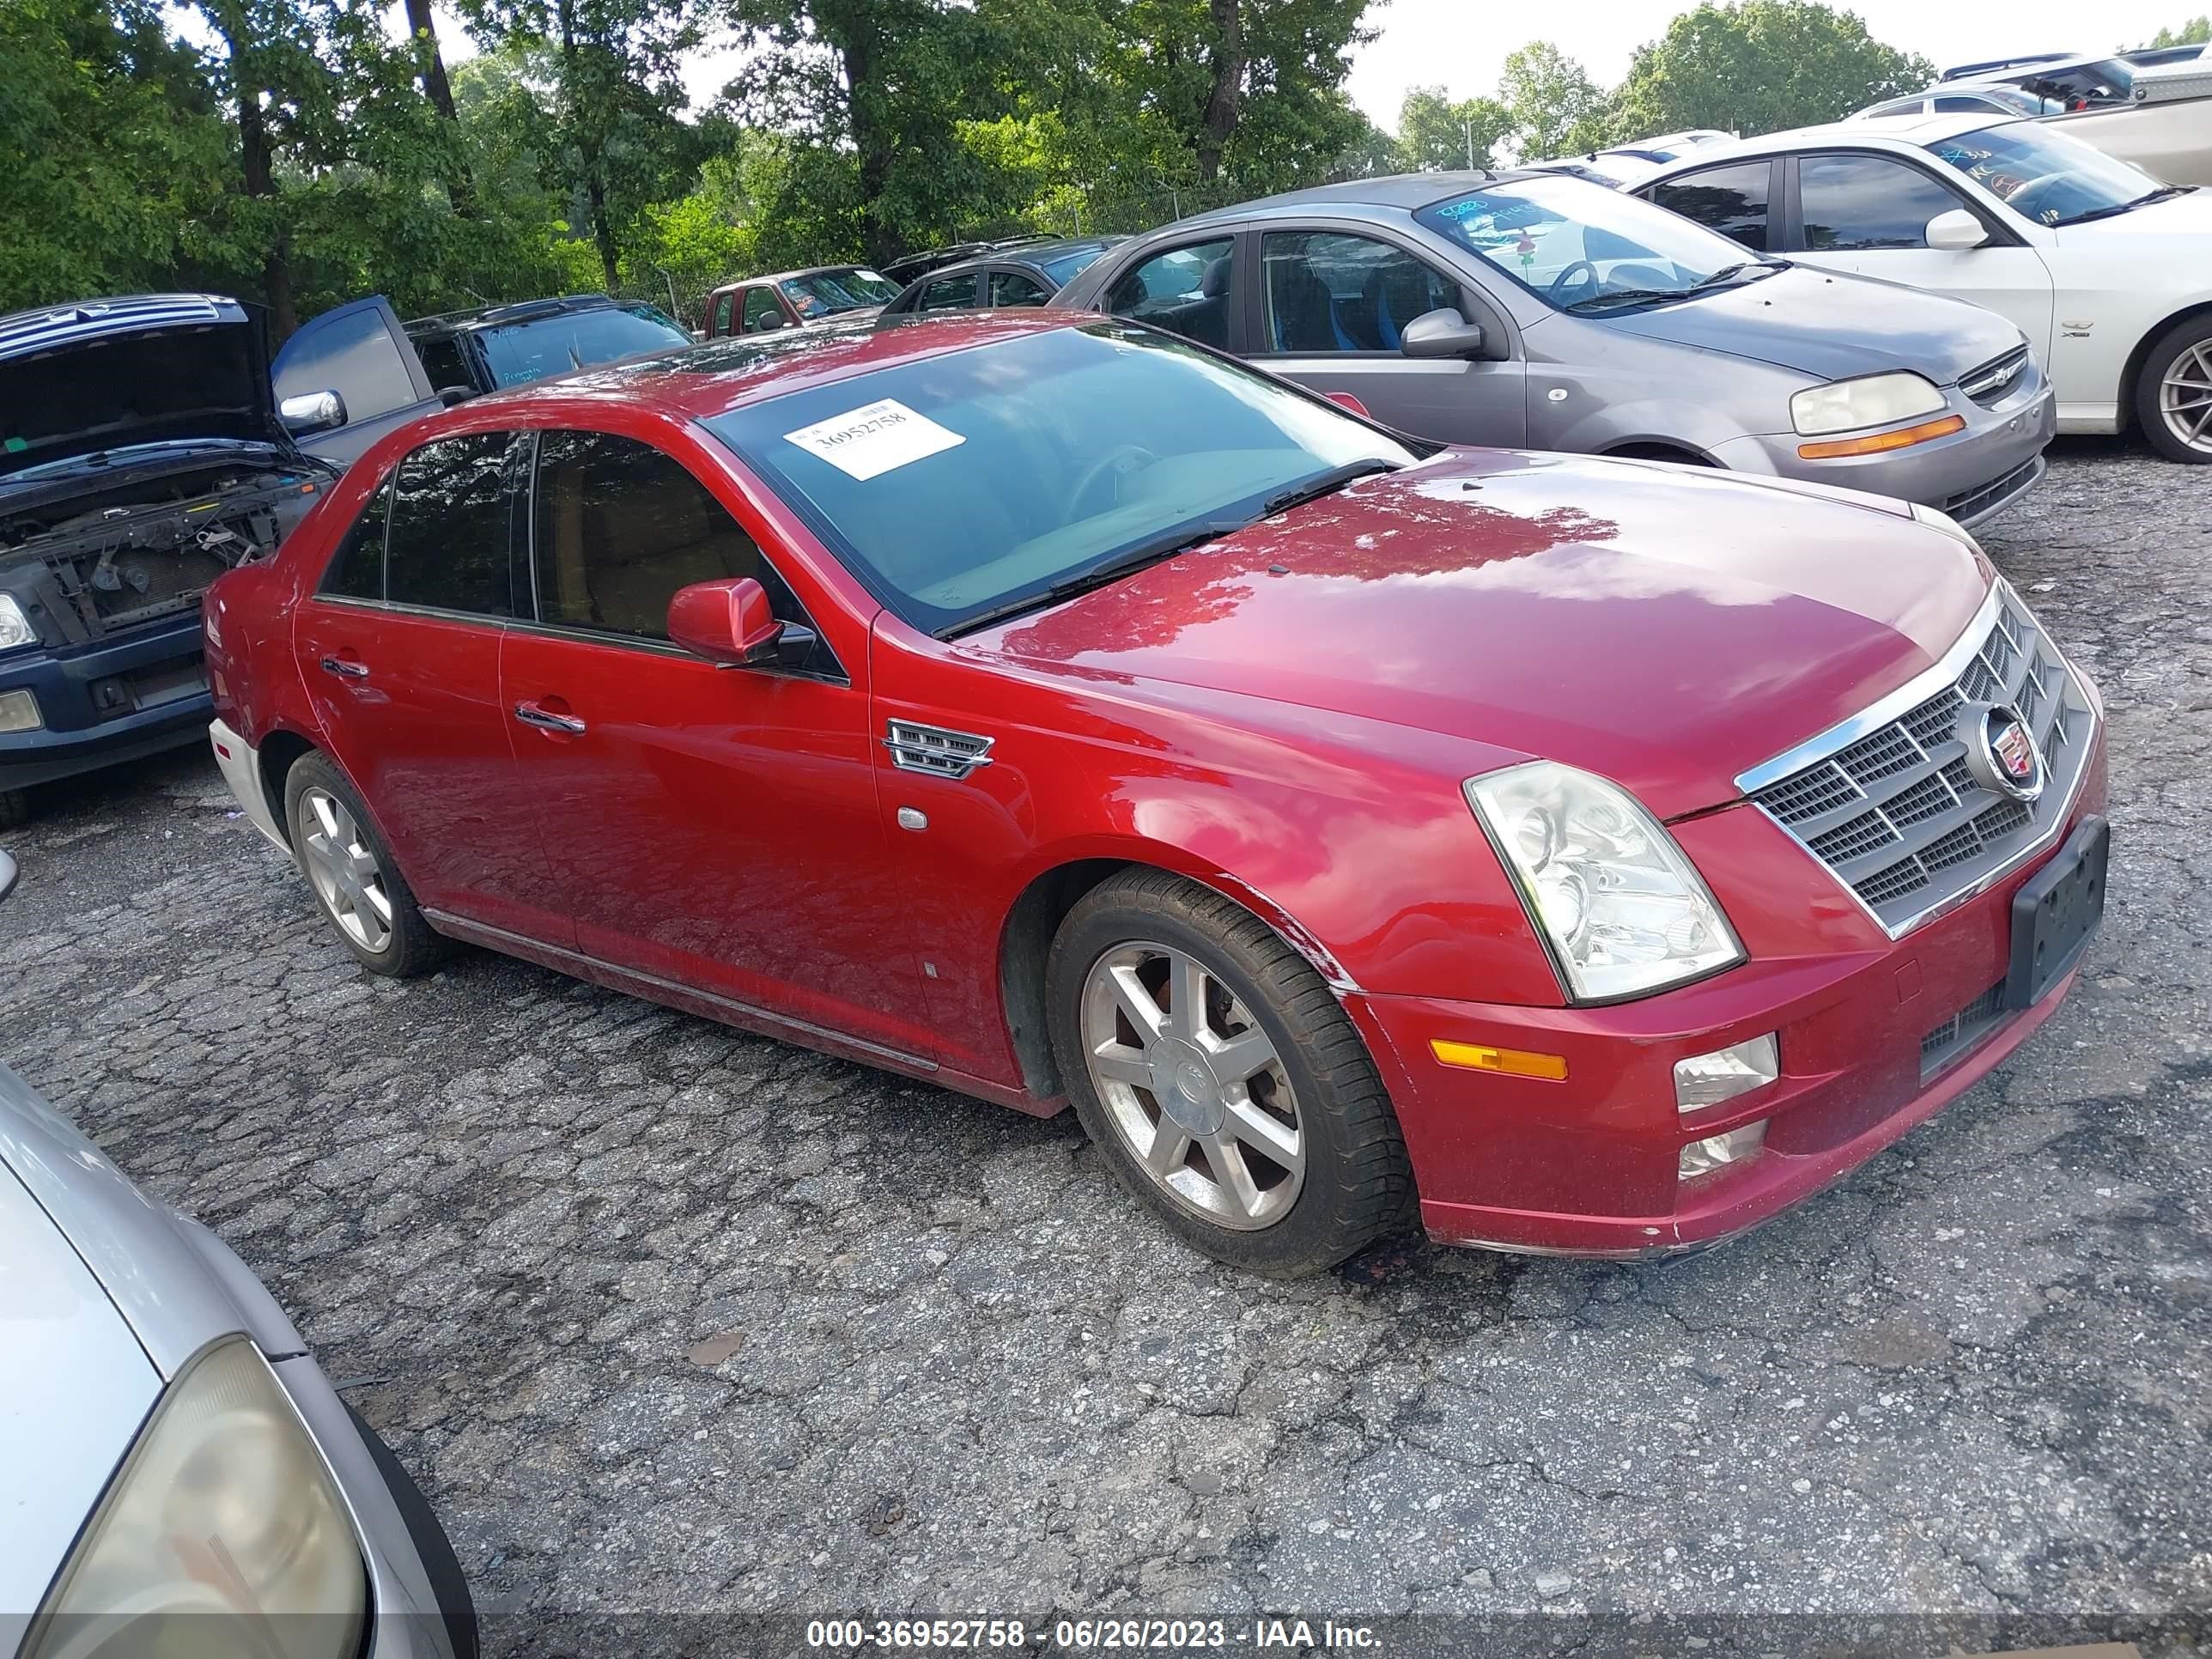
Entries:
{"x":345,"y":670}
{"x":546,"y":721}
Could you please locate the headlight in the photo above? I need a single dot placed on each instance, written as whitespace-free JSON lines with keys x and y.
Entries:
{"x":1622,"y":910}
{"x":222,"y":1535}
{"x":1874,"y":400}
{"x":15,"y":627}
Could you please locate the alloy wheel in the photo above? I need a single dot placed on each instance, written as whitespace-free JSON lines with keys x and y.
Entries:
{"x":2185,"y":397}
{"x":1192,"y":1085}
{"x":345,"y":871}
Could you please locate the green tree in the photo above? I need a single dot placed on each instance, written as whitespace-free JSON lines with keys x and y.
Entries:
{"x":1434,"y":133}
{"x":2196,"y":31}
{"x":1554,"y":107}
{"x":1757,"y":66}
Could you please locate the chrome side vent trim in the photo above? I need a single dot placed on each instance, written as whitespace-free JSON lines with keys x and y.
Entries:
{"x":934,"y":749}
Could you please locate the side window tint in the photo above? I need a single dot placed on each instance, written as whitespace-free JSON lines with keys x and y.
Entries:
{"x":356,"y":569}
{"x":1731,"y":200}
{"x":621,"y":526}
{"x":761,"y":311}
{"x":1185,"y":290}
{"x":1328,"y":292}
{"x":725,"y":305}
{"x":1010,"y":288}
{"x":951,"y":293}
{"x":1852,"y":203}
{"x":448,"y":545}
{"x":1957,"y":105}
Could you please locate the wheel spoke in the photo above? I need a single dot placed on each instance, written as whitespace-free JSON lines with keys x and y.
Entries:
{"x":1238,"y":1058}
{"x":1118,"y":1063}
{"x":1279,"y":1142}
{"x":1137,"y":1003}
{"x":380,"y":903}
{"x":1169,"y":1147}
{"x":326,"y":814}
{"x":1186,"y":996}
{"x":1232,"y":1173}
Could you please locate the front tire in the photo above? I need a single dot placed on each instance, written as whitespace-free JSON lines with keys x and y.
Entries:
{"x":2173,"y":393}
{"x":359,"y":887}
{"x":1220,"y":1079}
{"x":14,"y":808}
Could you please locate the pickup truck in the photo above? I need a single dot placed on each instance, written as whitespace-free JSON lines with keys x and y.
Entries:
{"x":2166,"y":129}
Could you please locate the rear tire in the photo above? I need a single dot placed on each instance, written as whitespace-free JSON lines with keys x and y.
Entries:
{"x":353,"y":875}
{"x":14,"y":808}
{"x":2173,"y":392}
{"x":1220,"y":1079}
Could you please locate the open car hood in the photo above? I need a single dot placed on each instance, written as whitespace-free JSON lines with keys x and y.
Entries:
{"x":102,"y":374}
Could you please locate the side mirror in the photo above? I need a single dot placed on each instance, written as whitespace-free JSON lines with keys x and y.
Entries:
{"x":1956,"y":231}
{"x":1441,"y":333}
{"x":771,"y":319}
{"x":311,"y":411}
{"x":727,"y":623}
{"x":7,"y":875}
{"x":1345,"y":400}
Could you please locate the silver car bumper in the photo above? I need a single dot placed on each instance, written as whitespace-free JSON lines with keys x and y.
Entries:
{"x":240,"y":763}
{"x":1974,"y":474}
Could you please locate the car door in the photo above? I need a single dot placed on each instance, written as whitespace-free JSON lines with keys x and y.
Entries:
{"x":399,"y":649}
{"x":1188,"y":289}
{"x":1332,"y":306}
{"x":722,"y":319}
{"x":1013,"y":288}
{"x":361,"y":352}
{"x":1868,"y":214}
{"x":715,"y":827}
{"x":960,"y":292}
{"x":1737,"y":200}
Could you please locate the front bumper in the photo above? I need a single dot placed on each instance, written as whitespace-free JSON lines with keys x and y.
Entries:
{"x":1590,"y":1165}
{"x":114,"y":701}
{"x":1973,"y":474}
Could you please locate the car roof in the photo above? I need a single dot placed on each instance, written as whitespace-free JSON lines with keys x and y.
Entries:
{"x":519,"y":311}
{"x":697,"y":382}
{"x":1906,"y":131}
{"x":1407,"y":191}
{"x":788,"y":275}
{"x":1034,"y":255}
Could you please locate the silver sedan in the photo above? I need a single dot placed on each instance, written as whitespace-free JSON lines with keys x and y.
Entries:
{"x":179,"y":1476}
{"x":1535,"y":311}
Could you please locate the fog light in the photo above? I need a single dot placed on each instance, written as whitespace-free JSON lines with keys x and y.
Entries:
{"x":19,"y":712}
{"x":1718,"y":1151}
{"x":1705,"y":1080}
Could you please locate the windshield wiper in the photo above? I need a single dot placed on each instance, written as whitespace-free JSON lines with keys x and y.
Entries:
{"x":1107,"y":570}
{"x":2118,"y":208}
{"x":1629,"y":296}
{"x":1728,"y":273}
{"x":1326,"y":483}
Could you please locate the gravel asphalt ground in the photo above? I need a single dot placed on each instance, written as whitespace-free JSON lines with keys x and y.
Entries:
{"x":669,"y":1318}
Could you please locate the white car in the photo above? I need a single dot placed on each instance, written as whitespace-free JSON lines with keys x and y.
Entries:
{"x":2107,"y":271}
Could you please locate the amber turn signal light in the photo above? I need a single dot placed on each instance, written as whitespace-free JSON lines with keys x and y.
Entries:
{"x":1904,"y":438}
{"x":1514,"y":1062}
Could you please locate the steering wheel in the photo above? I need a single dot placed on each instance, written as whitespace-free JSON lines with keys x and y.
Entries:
{"x":1568,"y":279}
{"x":1117,"y":462}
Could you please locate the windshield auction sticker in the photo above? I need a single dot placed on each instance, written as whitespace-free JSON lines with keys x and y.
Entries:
{"x":875,"y":438}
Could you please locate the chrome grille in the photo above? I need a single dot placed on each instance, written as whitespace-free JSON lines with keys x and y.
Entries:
{"x":1990,"y":383}
{"x":1886,"y":800}
{"x":935,"y":750}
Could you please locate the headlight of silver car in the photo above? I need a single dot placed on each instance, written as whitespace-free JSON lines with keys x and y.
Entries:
{"x":1623,"y":911}
{"x":15,"y":627}
{"x":222,"y":1535}
{"x":1871,"y":400}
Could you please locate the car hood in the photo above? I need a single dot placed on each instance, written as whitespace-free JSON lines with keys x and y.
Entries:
{"x":1667,"y":626}
{"x":86,"y":379}
{"x":74,"y":1387}
{"x":1832,"y":327}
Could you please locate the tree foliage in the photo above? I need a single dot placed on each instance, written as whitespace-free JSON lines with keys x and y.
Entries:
{"x":1761,"y":65}
{"x":1554,"y":107}
{"x":2196,"y":32}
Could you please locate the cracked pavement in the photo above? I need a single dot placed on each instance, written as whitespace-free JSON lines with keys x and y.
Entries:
{"x":668,"y":1317}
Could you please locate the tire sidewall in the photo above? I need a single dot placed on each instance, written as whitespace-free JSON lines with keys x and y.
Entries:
{"x":1301,"y":1239}
{"x":314,"y":772}
{"x":2196,"y":330}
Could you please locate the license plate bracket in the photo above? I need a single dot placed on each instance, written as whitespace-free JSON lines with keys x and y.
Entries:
{"x":2056,"y":912}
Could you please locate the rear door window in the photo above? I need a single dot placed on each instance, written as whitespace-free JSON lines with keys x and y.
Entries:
{"x":1185,"y":290}
{"x":356,"y":569}
{"x":1010,"y":288}
{"x":725,"y":305}
{"x":950,"y":293}
{"x":1854,"y":203}
{"x":1732,"y":200}
{"x":448,"y":548}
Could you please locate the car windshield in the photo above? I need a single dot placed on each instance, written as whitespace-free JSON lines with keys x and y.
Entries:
{"x":1582,"y":248}
{"x":520,"y":352}
{"x":826,"y":293}
{"x":987,"y":480}
{"x":2047,"y":176}
{"x":1068,"y":266}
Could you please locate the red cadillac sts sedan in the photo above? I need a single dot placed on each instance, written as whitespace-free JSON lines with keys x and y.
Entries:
{"x":1598,"y":856}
